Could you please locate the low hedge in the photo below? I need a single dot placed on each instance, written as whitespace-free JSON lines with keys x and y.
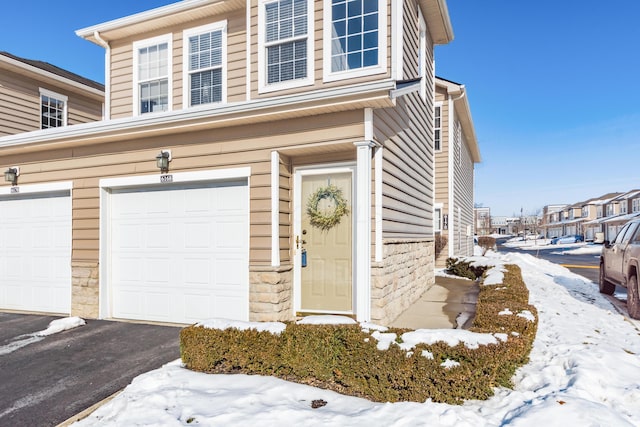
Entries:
{"x":345,"y":358}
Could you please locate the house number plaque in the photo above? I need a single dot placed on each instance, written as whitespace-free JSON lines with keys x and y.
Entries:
{"x":15,"y":190}
{"x":164,"y":179}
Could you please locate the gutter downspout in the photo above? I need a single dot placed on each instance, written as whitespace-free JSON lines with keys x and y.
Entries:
{"x":107,"y":75}
{"x":452,"y":171}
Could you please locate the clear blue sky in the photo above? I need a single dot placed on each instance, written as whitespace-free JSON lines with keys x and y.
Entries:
{"x":554,"y":86}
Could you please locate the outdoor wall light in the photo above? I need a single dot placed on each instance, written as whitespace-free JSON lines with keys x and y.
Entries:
{"x":162,"y":160}
{"x":11,"y":175}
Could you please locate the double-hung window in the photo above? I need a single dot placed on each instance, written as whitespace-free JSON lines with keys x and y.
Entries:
{"x":152,"y":75}
{"x":355,"y":34}
{"x":53,"y":109}
{"x":285,"y":44}
{"x":205,"y":64}
{"x":437,"y":128}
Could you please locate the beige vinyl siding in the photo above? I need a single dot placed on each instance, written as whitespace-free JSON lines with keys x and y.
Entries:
{"x":121,"y":67}
{"x":121,"y":70}
{"x":442,"y":156}
{"x":122,"y":85}
{"x":411,"y":40}
{"x":82,"y":110}
{"x":463,"y":197}
{"x":406,"y":133}
{"x":20,"y":103}
{"x":407,"y":197}
{"x":204,"y":150}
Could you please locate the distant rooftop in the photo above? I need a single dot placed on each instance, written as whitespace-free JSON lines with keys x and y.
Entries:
{"x":56,"y":70}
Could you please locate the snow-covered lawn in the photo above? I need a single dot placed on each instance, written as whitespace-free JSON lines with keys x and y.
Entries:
{"x":584,"y":370}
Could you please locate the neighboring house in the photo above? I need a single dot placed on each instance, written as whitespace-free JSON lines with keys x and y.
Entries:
{"x":499,"y":224}
{"x":622,"y":209}
{"x":37,"y":95}
{"x":482,"y":220}
{"x":551,"y":225}
{"x":595,"y":211}
{"x":457,"y":152}
{"x":259,"y":161}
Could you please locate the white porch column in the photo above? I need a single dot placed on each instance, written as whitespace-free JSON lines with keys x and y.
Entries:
{"x":362,"y":212}
{"x":275,"y":209}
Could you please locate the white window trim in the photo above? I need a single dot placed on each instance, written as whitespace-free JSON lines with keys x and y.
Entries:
{"x":59,"y":97}
{"x":50,"y":187}
{"x":166,"y":38}
{"x":328,"y":75}
{"x":397,"y":46}
{"x":437,"y":206}
{"x":263,"y":86}
{"x":186,"y":88}
{"x":435,"y":105}
{"x":422,"y":58}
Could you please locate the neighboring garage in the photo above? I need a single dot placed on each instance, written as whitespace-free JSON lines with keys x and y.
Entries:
{"x":35,"y":249}
{"x":178,"y":252}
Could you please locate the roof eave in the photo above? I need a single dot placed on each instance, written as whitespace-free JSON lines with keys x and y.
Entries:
{"x":132,"y":23}
{"x":436,"y":14}
{"x":52,"y":76}
{"x":461,"y":102}
{"x":367,"y":95}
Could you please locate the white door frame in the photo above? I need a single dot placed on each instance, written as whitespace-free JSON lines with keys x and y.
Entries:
{"x":298,"y":205}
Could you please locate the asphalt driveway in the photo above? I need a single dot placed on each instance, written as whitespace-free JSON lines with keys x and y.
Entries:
{"x":46,"y":380}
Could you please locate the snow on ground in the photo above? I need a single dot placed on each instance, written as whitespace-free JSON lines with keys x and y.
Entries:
{"x":54,"y":327}
{"x":559,"y":249}
{"x":584,"y":369}
{"x":585,"y":249}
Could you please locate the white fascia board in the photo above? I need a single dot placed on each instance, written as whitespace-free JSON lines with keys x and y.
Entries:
{"x":177,"y":116}
{"x":51,"y":76}
{"x":137,"y":18}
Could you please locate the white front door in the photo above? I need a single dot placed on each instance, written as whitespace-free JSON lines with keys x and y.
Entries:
{"x":180,"y":253}
{"x":324,"y":240}
{"x":35,"y":252}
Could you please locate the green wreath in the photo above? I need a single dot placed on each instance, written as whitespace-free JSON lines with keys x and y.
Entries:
{"x":326,"y":220}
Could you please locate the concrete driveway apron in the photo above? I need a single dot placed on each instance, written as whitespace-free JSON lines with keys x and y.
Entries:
{"x":46,"y":380}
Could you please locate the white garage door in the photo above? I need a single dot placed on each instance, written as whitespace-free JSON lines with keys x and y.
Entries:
{"x":35,"y":252}
{"x":180,"y":254}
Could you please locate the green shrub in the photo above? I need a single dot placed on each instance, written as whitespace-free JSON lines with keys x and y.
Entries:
{"x":462,"y":268}
{"x":345,"y":358}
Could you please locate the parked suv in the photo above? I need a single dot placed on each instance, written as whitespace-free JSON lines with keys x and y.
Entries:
{"x":620,"y":265}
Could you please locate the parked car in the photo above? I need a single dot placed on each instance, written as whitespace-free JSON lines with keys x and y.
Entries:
{"x":574,"y":238}
{"x":620,"y":265}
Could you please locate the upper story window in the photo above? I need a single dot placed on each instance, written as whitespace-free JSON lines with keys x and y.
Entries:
{"x":635,"y":205}
{"x":53,"y":109}
{"x":151,"y":68}
{"x":610,"y":209}
{"x":355,"y":38}
{"x":599,"y":211}
{"x":205,"y":64}
{"x":437,"y":128}
{"x":285,"y":52}
{"x":585,"y":211}
{"x":623,"y":207}
{"x":457,"y":142}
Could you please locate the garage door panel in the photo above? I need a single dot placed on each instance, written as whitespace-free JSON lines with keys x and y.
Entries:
{"x":189,"y":258}
{"x":198,"y":272}
{"x":35,"y":252}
